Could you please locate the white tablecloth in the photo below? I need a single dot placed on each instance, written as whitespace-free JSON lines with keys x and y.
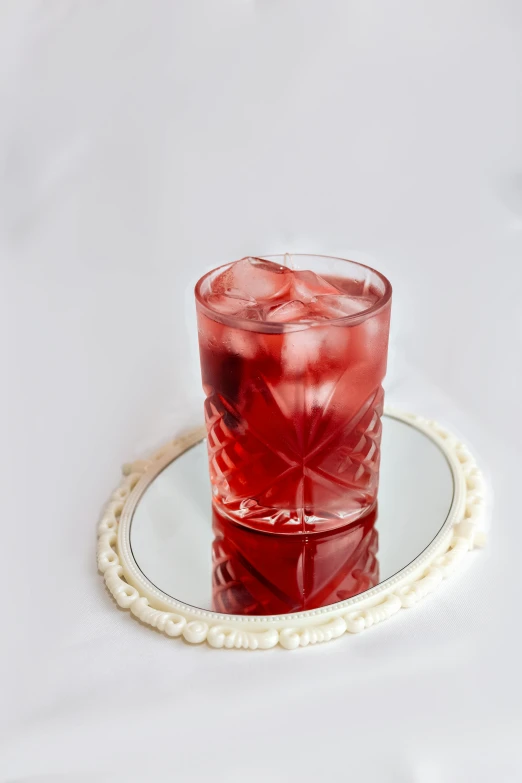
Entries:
{"x":141,"y":144}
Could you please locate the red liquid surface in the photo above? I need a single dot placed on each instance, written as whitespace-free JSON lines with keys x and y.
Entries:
{"x":293,"y":415}
{"x":258,"y":573}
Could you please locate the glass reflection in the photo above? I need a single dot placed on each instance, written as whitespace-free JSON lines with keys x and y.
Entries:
{"x":260,"y":573}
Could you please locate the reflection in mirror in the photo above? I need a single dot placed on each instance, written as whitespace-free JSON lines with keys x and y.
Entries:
{"x":257,"y":573}
{"x":205,"y":564}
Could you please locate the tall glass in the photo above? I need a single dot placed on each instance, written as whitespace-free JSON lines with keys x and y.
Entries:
{"x":293,"y":410}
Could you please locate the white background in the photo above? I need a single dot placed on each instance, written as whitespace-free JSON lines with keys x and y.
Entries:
{"x":142,"y":143}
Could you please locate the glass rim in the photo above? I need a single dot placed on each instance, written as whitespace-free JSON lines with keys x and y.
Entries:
{"x":277,"y":327}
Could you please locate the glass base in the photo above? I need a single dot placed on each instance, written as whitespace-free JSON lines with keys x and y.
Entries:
{"x":296,"y":522}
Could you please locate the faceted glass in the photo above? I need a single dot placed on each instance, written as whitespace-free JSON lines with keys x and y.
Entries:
{"x":293,"y":354}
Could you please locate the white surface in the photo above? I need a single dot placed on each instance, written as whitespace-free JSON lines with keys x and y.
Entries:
{"x":142,"y":143}
{"x":171,"y":529}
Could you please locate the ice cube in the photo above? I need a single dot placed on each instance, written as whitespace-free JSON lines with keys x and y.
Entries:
{"x":235,"y":293}
{"x":301,"y":350}
{"x":314,"y":348}
{"x":306,"y":285}
{"x":229,"y":305}
{"x":254,"y":278}
{"x":287,"y":312}
{"x":338,"y":306}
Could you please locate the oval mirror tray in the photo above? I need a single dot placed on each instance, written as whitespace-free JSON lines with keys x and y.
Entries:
{"x":165,"y":559}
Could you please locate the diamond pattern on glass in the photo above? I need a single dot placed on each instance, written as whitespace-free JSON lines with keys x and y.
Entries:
{"x":314,"y":468}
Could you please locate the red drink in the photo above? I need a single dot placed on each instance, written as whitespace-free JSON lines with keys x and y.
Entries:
{"x":256,"y":573}
{"x":292,"y":364}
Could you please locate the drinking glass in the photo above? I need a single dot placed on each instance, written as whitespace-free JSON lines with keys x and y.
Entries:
{"x":293,"y":409}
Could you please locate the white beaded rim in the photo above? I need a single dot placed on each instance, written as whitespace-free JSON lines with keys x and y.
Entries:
{"x":461,"y":532}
